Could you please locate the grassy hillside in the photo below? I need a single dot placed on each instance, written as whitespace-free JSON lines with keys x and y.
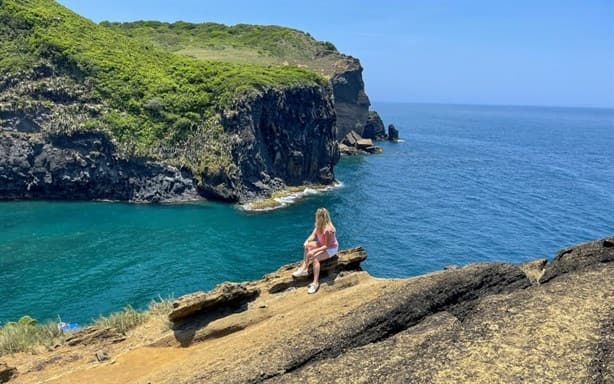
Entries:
{"x":151,"y":98}
{"x":242,"y":43}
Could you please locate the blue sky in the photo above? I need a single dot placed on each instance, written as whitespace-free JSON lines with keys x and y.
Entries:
{"x":558,"y":53}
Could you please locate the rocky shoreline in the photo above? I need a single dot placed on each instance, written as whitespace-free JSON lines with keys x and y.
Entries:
{"x":539,"y":321}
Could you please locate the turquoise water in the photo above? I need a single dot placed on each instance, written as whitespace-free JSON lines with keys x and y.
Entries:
{"x":468,"y":184}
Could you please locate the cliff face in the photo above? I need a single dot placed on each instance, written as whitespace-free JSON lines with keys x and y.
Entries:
{"x":278,"y":137}
{"x":351,"y":101}
{"x":84,"y":166}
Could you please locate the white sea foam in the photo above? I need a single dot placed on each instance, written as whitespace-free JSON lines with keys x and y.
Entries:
{"x":291,"y":198}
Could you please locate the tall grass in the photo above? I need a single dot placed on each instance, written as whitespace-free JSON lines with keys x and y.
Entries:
{"x":122,"y":321}
{"x":27,"y":335}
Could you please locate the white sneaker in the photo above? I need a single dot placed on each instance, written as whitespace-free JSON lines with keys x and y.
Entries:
{"x":300,"y":272}
{"x":313,"y":288}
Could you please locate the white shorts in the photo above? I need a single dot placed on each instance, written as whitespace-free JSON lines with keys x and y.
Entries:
{"x":331,"y":251}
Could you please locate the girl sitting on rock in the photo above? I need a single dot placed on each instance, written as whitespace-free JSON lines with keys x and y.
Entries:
{"x":319,"y":246}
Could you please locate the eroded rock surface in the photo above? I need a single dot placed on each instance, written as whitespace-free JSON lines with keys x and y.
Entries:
{"x":579,"y":257}
{"x":481,"y":323}
{"x":226,"y":294}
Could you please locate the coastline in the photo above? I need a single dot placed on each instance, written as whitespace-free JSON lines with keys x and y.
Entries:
{"x":287,"y":196}
{"x":481,"y":323}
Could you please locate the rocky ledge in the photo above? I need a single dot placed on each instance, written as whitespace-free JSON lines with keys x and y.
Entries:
{"x":540,"y":321}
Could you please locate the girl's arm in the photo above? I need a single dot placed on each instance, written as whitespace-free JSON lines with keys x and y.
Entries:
{"x":310,"y":237}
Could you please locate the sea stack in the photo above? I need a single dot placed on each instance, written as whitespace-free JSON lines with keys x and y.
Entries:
{"x":374,"y":129}
{"x":393,"y":133}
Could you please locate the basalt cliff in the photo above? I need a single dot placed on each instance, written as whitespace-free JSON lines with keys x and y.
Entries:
{"x":265,"y":45}
{"x":87,"y":112}
{"x":536,"y":322}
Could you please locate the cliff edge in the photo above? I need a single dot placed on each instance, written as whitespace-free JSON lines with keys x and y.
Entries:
{"x":482,"y":323}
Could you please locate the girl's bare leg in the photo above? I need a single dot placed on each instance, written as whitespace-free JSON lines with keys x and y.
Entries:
{"x":316,"y":265}
{"x":311,"y":245}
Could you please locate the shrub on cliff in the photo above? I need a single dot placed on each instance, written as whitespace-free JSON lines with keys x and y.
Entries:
{"x":149,"y":99}
{"x":254,"y":42}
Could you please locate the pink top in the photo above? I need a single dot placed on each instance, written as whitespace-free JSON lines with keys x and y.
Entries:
{"x":332,"y":239}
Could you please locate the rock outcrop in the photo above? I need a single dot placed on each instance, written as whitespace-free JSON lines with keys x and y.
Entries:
{"x":579,"y":257}
{"x":393,"y":133}
{"x":353,"y":144}
{"x":223,"y":295}
{"x":84,"y":166}
{"x":351,"y":101}
{"x":281,"y":137}
{"x":94,"y":335}
{"x":374,"y":129}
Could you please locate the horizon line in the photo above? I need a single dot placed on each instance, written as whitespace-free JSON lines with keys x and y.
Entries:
{"x":611,"y":108}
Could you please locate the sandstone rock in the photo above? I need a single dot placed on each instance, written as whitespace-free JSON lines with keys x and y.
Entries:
{"x":92,"y":335}
{"x":223,"y":295}
{"x":394,"y":310}
{"x":374,"y":129}
{"x":579,"y":257}
{"x":6,"y":372}
{"x":393,"y":133}
{"x":345,"y":260}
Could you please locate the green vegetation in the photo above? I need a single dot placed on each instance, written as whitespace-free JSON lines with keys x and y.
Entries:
{"x":122,"y":321}
{"x":242,"y":43}
{"x":153,"y":100}
{"x":27,"y":335}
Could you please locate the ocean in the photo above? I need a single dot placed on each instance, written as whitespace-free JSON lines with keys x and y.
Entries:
{"x":466,"y":184}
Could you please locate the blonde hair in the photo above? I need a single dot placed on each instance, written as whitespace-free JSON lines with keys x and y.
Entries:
{"x":322,"y":219}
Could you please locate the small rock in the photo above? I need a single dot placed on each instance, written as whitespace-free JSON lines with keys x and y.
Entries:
{"x":102,"y":356}
{"x":351,"y":139}
{"x":364,"y":143}
{"x":393,"y":133}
